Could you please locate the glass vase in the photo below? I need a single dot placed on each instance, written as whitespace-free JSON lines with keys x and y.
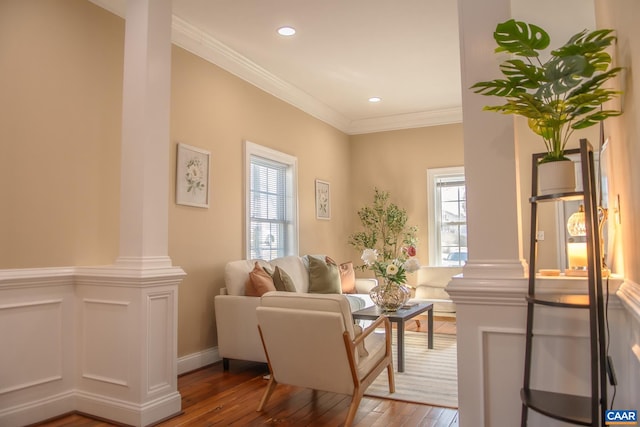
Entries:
{"x":389,"y":296}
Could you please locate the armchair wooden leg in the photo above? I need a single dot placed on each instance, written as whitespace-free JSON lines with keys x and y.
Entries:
{"x":391,"y":378}
{"x":353,"y":408}
{"x":267,"y":393}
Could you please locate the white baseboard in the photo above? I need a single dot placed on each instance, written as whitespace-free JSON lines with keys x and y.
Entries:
{"x":194,"y":361}
{"x":38,"y":410}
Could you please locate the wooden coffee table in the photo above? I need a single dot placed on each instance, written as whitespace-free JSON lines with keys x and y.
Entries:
{"x":399,"y":317}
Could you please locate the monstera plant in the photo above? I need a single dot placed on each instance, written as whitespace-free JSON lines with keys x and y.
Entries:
{"x":558,"y":95}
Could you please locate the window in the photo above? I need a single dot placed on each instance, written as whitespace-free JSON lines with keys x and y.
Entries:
{"x":271,"y":203}
{"x":447,"y":216}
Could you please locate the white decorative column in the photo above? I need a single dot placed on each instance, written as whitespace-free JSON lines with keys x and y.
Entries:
{"x":490,"y":152}
{"x":490,"y":294}
{"x":145,"y":135}
{"x":127,"y":313}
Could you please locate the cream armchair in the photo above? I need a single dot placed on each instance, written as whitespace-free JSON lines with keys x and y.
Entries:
{"x":310,"y":341}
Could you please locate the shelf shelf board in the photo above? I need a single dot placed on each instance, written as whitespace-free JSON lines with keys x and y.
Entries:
{"x":573,"y":195}
{"x":565,"y":407}
{"x":560,"y":300}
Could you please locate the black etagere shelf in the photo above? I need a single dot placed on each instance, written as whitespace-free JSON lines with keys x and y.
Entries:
{"x":579,"y":410}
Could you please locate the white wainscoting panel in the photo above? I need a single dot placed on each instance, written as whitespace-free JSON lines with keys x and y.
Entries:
{"x":105,"y":344}
{"x":37,"y":341}
{"x":491,"y":316}
{"x":34,"y":349}
{"x":161,"y":348}
{"x":102,"y":341}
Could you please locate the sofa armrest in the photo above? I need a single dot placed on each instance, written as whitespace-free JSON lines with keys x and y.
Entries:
{"x":237,"y":327}
{"x":431,"y":292}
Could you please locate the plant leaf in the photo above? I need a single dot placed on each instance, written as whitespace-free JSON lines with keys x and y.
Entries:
{"x":520,"y":38}
{"x":595,"y":118}
{"x":584,"y":43}
{"x":594,"y":83}
{"x":562,"y":74}
{"x":498,"y":87}
{"x":522,"y":73}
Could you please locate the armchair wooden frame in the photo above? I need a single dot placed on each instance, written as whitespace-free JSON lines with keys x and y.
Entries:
{"x":359,"y":384}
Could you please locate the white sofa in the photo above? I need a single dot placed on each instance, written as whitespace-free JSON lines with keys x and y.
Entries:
{"x":236,"y":319}
{"x":431,"y":284}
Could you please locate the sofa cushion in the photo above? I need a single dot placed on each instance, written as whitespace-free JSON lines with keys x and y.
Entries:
{"x":259,"y":282}
{"x":347,"y":278}
{"x":296,"y":269}
{"x":282,"y":280}
{"x":324,"y":277}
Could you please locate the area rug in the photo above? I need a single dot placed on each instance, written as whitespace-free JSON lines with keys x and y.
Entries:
{"x":429,"y":377}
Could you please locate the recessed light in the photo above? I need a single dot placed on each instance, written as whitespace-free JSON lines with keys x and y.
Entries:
{"x":375,"y":99}
{"x":286,"y":31}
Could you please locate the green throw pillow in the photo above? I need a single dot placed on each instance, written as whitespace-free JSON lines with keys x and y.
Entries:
{"x":324,"y":276}
{"x":283,"y":281}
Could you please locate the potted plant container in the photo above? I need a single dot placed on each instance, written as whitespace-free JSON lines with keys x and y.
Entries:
{"x":558,"y":95}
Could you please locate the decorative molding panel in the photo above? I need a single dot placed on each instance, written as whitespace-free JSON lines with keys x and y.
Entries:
{"x":105,"y":343}
{"x":32,"y":352}
{"x":160,"y":343}
{"x":36,"y":277}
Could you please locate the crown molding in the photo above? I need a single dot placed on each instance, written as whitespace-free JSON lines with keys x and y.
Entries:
{"x":208,"y":48}
{"x":406,"y":121}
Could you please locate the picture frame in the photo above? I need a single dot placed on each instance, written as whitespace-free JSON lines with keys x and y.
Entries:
{"x":323,"y":199}
{"x":192,"y":176}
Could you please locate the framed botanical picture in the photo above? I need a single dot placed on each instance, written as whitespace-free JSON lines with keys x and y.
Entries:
{"x":323,"y":200}
{"x":192,"y":176}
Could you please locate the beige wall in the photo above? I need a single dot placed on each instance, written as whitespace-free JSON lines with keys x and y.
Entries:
{"x":397,"y":162}
{"x":624,"y":134}
{"x":216,"y":111}
{"x":60,"y":116}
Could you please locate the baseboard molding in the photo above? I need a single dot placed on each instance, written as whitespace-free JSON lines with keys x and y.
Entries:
{"x":126,"y":412}
{"x":38,"y":410}
{"x":194,"y":361}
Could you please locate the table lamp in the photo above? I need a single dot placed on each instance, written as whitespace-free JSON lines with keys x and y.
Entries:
{"x":577,"y":244}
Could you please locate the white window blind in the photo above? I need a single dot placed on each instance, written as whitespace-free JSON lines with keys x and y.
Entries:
{"x":448,"y":217}
{"x":271,"y":220}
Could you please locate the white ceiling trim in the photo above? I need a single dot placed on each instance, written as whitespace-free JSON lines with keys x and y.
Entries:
{"x":406,"y":121}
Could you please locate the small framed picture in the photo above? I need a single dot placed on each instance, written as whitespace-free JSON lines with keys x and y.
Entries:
{"x":192,"y":176}
{"x":323,"y":200}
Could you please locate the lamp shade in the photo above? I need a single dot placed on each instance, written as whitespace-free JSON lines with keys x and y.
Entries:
{"x":576,"y":225}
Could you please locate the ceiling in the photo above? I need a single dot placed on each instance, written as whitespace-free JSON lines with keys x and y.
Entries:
{"x":343,"y":53}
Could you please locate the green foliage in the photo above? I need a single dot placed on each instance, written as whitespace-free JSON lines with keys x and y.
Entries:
{"x":385,"y":229}
{"x":560,"y":95}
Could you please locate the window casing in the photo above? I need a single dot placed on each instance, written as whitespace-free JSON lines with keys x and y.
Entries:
{"x":271,"y":204}
{"x":447,"y":216}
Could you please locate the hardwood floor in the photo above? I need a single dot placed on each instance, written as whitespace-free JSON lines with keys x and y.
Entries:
{"x":212,"y":397}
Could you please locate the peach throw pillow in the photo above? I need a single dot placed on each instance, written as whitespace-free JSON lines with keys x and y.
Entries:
{"x":259,"y":282}
{"x":347,"y":278}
